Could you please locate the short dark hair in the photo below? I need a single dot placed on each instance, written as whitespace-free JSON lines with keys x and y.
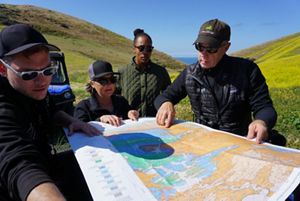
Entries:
{"x":90,"y":89}
{"x":140,"y":32}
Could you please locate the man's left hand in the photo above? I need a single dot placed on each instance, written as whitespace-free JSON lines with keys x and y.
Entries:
{"x":258,"y":129}
{"x":84,"y":127}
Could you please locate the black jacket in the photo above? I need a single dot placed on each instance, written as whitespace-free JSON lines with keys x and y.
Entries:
{"x":24,"y":152}
{"x":90,"y":110}
{"x":224,"y":97}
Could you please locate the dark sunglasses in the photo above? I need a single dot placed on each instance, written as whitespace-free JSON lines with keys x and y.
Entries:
{"x":30,"y":75}
{"x":210,"y":50}
{"x":146,"y":48}
{"x":106,"y":81}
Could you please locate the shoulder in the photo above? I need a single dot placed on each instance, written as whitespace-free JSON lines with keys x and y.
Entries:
{"x":124,"y":68}
{"x":157,"y":66}
{"x":12,"y":108}
{"x":8,"y":96}
{"x":4,"y":86}
{"x":238,"y":64}
{"x":192,"y":69}
{"x":6,"y":103}
{"x":240,"y":60}
{"x":84,"y":103}
{"x":161,"y":70}
{"x":128,"y":67}
{"x":128,"y":70}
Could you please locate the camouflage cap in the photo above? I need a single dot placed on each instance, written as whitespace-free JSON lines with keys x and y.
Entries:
{"x":213,"y":33}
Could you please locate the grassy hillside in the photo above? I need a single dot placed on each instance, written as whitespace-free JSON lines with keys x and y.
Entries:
{"x":279,"y":61}
{"x":81,"y":41}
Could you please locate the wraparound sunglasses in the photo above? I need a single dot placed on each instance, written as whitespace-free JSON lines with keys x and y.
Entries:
{"x":30,"y":75}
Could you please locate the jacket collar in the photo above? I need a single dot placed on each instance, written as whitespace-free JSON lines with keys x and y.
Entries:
{"x":94,"y":104}
{"x":212,"y":71}
{"x":137,"y":67}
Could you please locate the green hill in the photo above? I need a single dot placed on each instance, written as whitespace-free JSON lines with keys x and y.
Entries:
{"x":279,"y":61}
{"x":81,"y":41}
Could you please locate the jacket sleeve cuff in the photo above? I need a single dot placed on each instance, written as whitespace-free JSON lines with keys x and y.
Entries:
{"x":28,"y":181}
{"x":268,"y":115}
{"x":159,"y":101}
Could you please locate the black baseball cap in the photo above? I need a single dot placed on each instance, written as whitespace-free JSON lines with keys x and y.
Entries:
{"x":20,"y":37}
{"x":99,"y":69}
{"x":213,"y":32}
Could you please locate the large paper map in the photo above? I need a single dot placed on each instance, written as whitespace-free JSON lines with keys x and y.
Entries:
{"x":184,"y":162}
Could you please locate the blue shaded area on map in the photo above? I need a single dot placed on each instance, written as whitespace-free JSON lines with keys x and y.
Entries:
{"x":151,"y":152}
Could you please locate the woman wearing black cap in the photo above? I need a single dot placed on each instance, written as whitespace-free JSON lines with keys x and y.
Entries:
{"x":104,"y":105}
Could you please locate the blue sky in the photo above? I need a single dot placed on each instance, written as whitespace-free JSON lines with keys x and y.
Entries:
{"x":173,"y":25}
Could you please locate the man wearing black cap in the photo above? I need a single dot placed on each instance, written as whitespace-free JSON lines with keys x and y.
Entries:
{"x":28,"y":170}
{"x":225,"y":92}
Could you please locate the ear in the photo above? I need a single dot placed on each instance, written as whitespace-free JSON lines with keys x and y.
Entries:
{"x":227,"y":46}
{"x":2,"y":69}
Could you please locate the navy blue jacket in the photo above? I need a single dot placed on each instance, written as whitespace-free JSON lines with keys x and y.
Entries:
{"x":90,"y":110}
